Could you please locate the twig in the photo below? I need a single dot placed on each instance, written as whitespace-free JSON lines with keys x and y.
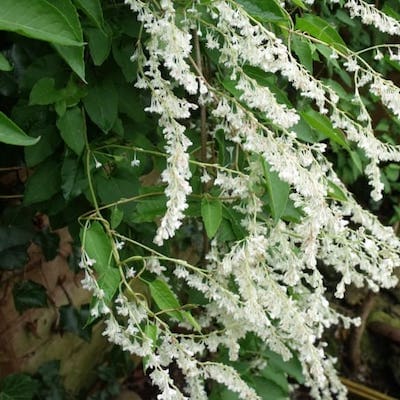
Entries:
{"x":355,"y":339}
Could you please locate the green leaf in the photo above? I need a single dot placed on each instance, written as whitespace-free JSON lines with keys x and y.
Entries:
{"x":165,"y":298}
{"x":18,"y":387}
{"x":10,"y":133}
{"x":335,"y":192}
{"x":116,"y":217}
{"x":211,"y":213}
{"x":93,"y":10}
{"x":43,"y":184}
{"x":323,"y":125}
{"x":47,"y":145}
{"x":4,"y":63}
{"x":101,"y":104}
{"x":303,"y":49}
{"x":265,"y":11}
{"x":73,"y":178}
{"x":99,"y":44}
{"x":44,"y":92}
{"x":72,"y":126}
{"x":73,"y":56}
{"x":267,"y":389}
{"x":321,"y":30}
{"x":40,"y":19}
{"x":99,"y":248}
{"x":147,"y":210}
{"x":151,"y":331}
{"x":122,"y":52}
{"x":277,"y":192}
{"x":292,"y":367}
{"x":28,"y":294}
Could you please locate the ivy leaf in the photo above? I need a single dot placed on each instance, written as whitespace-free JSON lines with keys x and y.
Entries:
{"x":277,"y":192}
{"x":73,"y":178}
{"x":40,"y":19}
{"x":72,"y":126}
{"x":321,"y":30}
{"x":98,"y":247}
{"x":28,"y":294}
{"x":211,"y":213}
{"x":18,"y":387}
{"x":10,"y":133}
{"x":14,"y":242}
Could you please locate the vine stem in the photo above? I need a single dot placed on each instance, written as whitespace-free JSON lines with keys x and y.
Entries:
{"x":203,"y":133}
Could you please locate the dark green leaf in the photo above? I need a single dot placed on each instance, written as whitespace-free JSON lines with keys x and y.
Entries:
{"x":99,"y":44}
{"x":14,"y":244}
{"x":277,"y":191}
{"x":92,"y":8}
{"x":28,"y":294}
{"x":48,"y":143}
{"x":211,"y":213}
{"x":321,"y":30}
{"x":18,"y":387}
{"x":73,"y":178}
{"x":72,"y":126}
{"x":43,"y":184}
{"x":101,"y":104}
{"x":98,"y":247}
{"x":40,"y":19}
{"x":49,"y":242}
{"x":73,"y":56}
{"x":122,"y":51}
{"x":73,"y":320}
{"x":10,"y":133}
{"x":44,"y":92}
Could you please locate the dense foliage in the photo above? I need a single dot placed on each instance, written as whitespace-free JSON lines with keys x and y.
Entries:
{"x":209,"y":157}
